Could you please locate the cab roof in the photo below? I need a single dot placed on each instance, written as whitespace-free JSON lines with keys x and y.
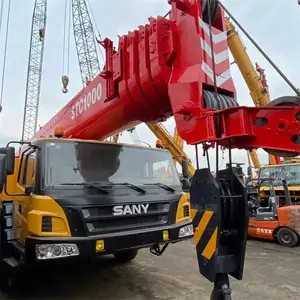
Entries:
{"x":37,"y":140}
{"x":281,"y":165}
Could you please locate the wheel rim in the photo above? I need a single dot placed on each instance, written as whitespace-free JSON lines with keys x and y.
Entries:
{"x":286,"y":238}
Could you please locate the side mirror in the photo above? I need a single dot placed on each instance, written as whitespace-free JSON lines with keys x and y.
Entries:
{"x":249,"y":173}
{"x":2,"y":171}
{"x":186,"y":185}
{"x":28,"y":190}
{"x":185,"y":168}
{"x":9,"y":152}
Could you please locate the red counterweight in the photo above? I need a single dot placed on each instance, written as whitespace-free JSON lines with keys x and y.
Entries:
{"x":165,"y":68}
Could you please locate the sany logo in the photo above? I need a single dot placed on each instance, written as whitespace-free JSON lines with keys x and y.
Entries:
{"x":86,"y":101}
{"x":119,"y":210}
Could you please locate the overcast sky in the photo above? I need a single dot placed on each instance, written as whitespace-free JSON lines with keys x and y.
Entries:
{"x":275,"y":25}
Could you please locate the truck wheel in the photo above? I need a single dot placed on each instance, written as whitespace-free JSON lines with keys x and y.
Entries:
{"x":287,"y":237}
{"x":7,"y":278}
{"x":126,"y":256}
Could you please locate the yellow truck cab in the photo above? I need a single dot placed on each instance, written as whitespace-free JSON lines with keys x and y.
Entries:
{"x":68,"y":197}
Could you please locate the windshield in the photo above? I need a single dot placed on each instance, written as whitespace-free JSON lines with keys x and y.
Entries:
{"x":77,"y":162}
{"x":290,"y":173}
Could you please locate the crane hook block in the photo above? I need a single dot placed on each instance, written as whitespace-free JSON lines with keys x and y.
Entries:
{"x":220,"y":221}
{"x":65,"y":82}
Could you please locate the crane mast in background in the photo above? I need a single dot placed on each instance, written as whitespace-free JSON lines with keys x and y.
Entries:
{"x":175,"y":148}
{"x":177,"y":139}
{"x":256,"y":83}
{"x":85,"y":41}
{"x":35,"y":65}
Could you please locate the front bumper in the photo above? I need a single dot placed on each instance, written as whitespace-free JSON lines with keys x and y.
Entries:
{"x":113,"y":242}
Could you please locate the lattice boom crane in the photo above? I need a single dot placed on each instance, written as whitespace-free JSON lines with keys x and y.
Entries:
{"x":34,"y":72}
{"x":85,"y":42}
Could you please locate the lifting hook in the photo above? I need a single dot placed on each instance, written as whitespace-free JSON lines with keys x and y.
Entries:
{"x":222,"y":290}
{"x":65,"y":82}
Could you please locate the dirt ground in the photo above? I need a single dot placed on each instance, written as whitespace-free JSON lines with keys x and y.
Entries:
{"x":271,"y":272}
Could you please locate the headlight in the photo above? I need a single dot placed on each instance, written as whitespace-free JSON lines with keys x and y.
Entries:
{"x":186,"y":231}
{"x":51,"y":251}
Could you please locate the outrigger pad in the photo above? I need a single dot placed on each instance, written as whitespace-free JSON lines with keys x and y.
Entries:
{"x":220,"y":210}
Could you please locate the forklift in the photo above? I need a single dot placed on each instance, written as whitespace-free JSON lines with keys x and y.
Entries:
{"x":279,"y":220}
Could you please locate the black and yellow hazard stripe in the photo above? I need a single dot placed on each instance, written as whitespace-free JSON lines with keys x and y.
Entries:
{"x":206,"y":232}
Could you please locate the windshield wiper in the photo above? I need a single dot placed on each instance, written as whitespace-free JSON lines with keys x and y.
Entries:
{"x":102,"y":189}
{"x":134,"y":187}
{"x":164,"y":186}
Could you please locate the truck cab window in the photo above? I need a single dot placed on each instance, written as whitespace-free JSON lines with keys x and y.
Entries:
{"x":71,"y":162}
{"x":28,"y":169}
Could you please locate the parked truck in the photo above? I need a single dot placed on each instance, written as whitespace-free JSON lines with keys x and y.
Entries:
{"x":72,"y":197}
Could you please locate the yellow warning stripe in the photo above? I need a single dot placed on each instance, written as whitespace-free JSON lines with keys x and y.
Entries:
{"x":202,"y":225}
{"x":193,"y":212}
{"x":211,"y":246}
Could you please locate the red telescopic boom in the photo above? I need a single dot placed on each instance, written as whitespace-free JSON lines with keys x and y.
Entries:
{"x":166,"y":68}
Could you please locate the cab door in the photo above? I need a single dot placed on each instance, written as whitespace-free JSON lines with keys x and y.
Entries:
{"x":26,"y":182}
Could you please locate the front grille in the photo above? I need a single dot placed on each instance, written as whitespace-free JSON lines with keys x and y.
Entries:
{"x":46,"y":224}
{"x":101,"y":219}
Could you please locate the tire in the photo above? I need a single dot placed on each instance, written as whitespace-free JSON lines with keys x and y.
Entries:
{"x":7,"y":278}
{"x":126,"y":256}
{"x":287,"y":237}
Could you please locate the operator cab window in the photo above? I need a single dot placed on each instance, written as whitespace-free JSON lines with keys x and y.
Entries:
{"x":28,"y":169}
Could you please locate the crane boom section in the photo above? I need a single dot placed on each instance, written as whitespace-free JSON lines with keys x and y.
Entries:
{"x":35,"y":65}
{"x":159,"y":71}
{"x":85,"y":41}
{"x":258,"y":93}
{"x":177,"y":139}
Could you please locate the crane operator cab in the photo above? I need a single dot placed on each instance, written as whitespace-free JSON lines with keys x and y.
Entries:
{"x":70,"y":197}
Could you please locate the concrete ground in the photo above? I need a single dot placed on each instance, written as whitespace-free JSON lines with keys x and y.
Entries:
{"x":271,"y":272}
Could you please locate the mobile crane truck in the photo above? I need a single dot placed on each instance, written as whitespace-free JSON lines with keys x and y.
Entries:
{"x":172,"y":66}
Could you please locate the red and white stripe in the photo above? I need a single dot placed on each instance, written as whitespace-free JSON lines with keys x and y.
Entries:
{"x":221,"y":55}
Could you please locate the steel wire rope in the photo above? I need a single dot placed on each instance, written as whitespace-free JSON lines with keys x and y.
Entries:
{"x":293,"y":87}
{"x":5,"y":53}
{"x":69,"y":38}
{"x":97,"y":28}
{"x":1,"y":14}
{"x":214,"y":77}
{"x":64,"y":37}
